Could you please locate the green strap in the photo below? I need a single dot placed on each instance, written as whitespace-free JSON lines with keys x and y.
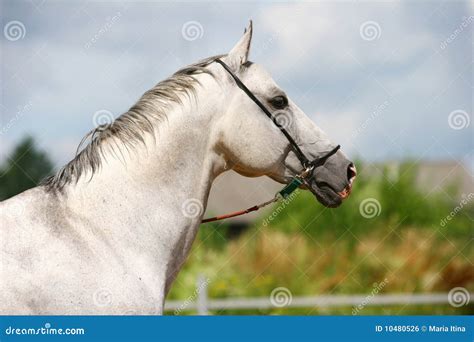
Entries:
{"x":290,"y":187}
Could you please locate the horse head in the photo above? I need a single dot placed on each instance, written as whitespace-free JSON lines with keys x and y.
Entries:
{"x":254,"y":146}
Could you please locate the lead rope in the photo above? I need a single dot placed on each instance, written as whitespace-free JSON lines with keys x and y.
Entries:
{"x":241,"y":212}
{"x":283,"y":193}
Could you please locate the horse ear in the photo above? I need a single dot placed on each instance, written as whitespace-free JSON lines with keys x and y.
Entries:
{"x":240,"y":52}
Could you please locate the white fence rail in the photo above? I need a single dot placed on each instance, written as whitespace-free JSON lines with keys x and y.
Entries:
{"x":201,"y":303}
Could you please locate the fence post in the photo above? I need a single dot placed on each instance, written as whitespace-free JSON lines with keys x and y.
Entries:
{"x":201,"y":288}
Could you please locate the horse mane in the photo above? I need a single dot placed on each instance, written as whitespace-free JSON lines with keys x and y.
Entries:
{"x":128,"y":129}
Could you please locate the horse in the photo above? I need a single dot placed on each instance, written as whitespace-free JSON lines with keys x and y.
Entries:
{"x":109,"y":232}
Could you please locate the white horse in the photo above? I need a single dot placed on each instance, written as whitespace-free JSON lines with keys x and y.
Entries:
{"x":109,"y":232}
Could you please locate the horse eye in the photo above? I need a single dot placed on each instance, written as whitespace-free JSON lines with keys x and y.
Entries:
{"x":279,"y":102}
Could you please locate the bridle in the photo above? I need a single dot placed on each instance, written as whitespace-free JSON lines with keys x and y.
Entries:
{"x":308,"y":165}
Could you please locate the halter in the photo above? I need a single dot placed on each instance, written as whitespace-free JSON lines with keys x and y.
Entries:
{"x":308,"y":165}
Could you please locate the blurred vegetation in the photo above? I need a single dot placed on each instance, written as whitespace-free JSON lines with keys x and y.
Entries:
{"x":313,"y":250}
{"x":23,"y":169}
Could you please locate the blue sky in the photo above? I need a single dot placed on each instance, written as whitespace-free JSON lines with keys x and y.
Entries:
{"x":386,"y":80}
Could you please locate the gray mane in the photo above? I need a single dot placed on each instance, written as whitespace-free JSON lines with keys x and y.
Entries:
{"x":129,"y":128}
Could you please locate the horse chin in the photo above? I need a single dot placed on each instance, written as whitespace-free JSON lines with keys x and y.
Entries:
{"x":325,"y":195}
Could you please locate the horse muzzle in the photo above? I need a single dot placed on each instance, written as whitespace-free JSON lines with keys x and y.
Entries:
{"x":332,"y":182}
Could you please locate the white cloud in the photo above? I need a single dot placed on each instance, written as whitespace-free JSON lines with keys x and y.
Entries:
{"x":328,"y":34}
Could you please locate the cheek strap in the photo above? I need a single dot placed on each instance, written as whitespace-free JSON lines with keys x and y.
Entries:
{"x":305,"y":162}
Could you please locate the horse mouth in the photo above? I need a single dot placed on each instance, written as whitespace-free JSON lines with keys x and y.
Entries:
{"x":346,"y":192}
{"x":327,"y":195}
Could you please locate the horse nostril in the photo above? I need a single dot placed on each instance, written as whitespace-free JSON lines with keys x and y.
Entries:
{"x":351,"y":173}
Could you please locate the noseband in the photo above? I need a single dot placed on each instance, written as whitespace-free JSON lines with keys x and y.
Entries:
{"x":308,"y":165}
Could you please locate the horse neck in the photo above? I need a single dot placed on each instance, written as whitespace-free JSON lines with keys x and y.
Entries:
{"x":148,"y":199}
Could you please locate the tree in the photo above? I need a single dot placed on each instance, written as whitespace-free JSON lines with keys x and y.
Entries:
{"x":23,"y":169}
